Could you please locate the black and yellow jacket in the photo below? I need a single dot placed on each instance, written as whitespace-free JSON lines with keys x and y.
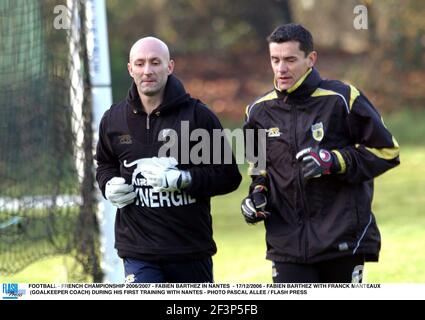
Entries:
{"x":327,"y":217}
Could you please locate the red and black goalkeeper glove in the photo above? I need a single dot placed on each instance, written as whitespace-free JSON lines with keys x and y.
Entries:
{"x":316,"y":162}
{"x":253,"y":207}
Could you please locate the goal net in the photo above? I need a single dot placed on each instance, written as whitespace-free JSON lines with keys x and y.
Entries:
{"x":47,"y":197}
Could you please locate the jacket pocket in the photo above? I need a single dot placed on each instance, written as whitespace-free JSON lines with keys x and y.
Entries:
{"x":278,"y":152}
{"x":332,"y":209}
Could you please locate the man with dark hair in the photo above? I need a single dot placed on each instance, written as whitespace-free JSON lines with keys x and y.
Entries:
{"x":163,"y":225}
{"x":325,"y":144}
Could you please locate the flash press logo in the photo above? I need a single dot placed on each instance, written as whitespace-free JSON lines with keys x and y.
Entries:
{"x":11,"y":291}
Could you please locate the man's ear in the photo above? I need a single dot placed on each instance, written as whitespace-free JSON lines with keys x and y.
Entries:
{"x":312,"y":58}
{"x":130,"y":70}
{"x":171,"y":66}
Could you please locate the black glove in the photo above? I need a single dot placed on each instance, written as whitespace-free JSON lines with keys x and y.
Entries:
{"x":317,"y":162}
{"x":253,"y":206}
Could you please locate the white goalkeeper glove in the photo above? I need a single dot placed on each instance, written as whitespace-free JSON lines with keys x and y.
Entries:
{"x":163,"y":175}
{"x":119,"y":193}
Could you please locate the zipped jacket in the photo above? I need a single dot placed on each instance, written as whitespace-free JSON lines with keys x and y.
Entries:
{"x":164,"y":225}
{"x":330,"y":216}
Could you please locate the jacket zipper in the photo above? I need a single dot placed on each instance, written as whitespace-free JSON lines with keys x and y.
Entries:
{"x":147,"y":128}
{"x":300,"y":180}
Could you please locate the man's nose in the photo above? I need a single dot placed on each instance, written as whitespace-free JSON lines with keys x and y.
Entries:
{"x":147,"y":69}
{"x":282,"y":67}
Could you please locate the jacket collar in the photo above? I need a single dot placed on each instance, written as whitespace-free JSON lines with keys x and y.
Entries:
{"x":303,"y":88}
{"x":174,"y":95}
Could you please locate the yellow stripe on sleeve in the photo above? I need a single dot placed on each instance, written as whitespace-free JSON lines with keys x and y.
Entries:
{"x":354,"y":93}
{"x":385,"y":153}
{"x":341,"y":161}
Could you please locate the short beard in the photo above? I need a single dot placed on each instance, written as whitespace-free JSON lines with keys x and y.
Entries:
{"x":151,"y":93}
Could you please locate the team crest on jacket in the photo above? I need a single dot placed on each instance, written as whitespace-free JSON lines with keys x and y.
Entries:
{"x":317,"y":131}
{"x":273,"y":132}
{"x":125,"y":139}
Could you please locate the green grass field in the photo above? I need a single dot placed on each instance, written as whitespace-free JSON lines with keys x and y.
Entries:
{"x":398,"y":206}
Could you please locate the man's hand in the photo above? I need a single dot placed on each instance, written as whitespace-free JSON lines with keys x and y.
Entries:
{"x":119,"y":193}
{"x":163,"y":179}
{"x":316,"y":162}
{"x":253,"y":206}
{"x":163,"y":175}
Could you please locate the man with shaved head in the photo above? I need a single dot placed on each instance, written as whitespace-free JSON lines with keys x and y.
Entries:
{"x":150,"y":84}
{"x":163,"y":226}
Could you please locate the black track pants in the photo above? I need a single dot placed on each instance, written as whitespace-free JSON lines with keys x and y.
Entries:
{"x":345,"y":269}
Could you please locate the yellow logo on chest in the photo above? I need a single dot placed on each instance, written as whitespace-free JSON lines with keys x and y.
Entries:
{"x":273,"y":132}
{"x":317,"y":131}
